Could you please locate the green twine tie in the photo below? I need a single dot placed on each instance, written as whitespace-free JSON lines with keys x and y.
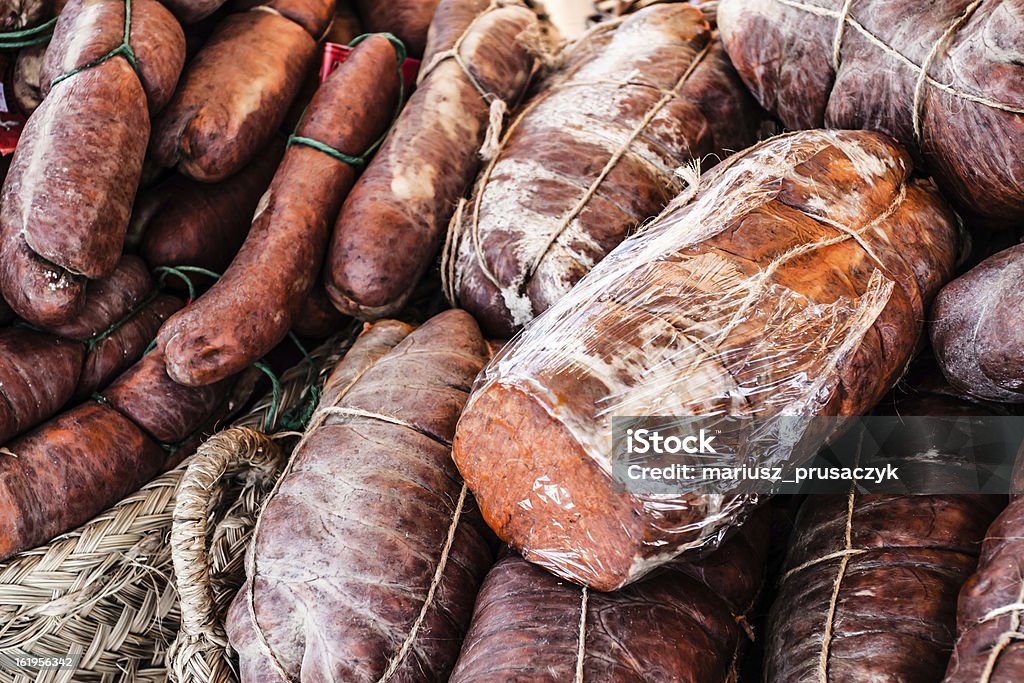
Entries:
{"x":27,"y":37}
{"x":123,"y":50}
{"x":359,"y":161}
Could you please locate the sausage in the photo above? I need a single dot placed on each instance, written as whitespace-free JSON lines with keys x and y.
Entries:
{"x":68,"y":196}
{"x":237,"y":90}
{"x":38,"y":375}
{"x":192,"y":11}
{"x":167,"y":411}
{"x":593,"y":155}
{"x":407,"y":19}
{"x":251,"y":308}
{"x":318,"y":318}
{"x":763,"y":294}
{"x":110,"y":354}
{"x":343,"y":29}
{"x":977,"y":328}
{"x":400,"y":611}
{"x":67,"y":470}
{"x":109,"y":300}
{"x":685,"y":624}
{"x":103,"y":162}
{"x":988,"y":615}
{"x":857,"y":65}
{"x":42,"y":372}
{"x":391,"y":226}
{"x":345,"y":26}
{"x":187,"y":223}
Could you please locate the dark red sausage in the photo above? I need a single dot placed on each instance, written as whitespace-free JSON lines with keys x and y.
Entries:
{"x":188,"y":223}
{"x":69,"y":469}
{"x":109,"y":300}
{"x":407,"y":19}
{"x":234,"y":95}
{"x":167,"y":411}
{"x":38,"y":375}
{"x":109,"y":356}
{"x":251,"y":308}
{"x":392,"y":225}
{"x":68,"y":195}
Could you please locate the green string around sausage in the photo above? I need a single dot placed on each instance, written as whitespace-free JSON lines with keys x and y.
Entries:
{"x":123,"y":50}
{"x":360,"y":160}
{"x":26,"y":37}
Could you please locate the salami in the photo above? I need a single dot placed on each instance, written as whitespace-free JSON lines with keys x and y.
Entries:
{"x":479,"y":61}
{"x":593,"y":155}
{"x":685,"y":624}
{"x":931,"y":74}
{"x":373,"y":471}
{"x":794,"y":282}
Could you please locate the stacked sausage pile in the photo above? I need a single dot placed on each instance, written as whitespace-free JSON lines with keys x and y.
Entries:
{"x":609,"y":204}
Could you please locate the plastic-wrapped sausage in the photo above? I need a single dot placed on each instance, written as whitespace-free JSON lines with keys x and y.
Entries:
{"x":252,"y":306}
{"x":391,"y":226}
{"x":373,"y":471}
{"x":795,"y":281}
{"x":684,"y":624}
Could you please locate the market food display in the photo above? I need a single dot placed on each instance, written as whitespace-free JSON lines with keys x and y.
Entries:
{"x":326,"y":327}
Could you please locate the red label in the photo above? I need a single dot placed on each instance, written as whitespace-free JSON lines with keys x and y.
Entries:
{"x":335,"y":54}
{"x":11,"y":119}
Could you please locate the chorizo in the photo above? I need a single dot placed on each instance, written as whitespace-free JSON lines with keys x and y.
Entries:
{"x":252,"y":306}
{"x":236,"y":91}
{"x":391,"y":226}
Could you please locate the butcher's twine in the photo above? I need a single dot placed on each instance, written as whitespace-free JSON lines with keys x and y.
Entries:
{"x":1012,"y":633}
{"x":581,"y":643}
{"x":124,"y":49}
{"x":26,"y":37}
{"x":497,"y":107}
{"x":449,"y":271}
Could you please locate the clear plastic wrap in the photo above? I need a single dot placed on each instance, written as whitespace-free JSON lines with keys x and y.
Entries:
{"x":793,"y":280}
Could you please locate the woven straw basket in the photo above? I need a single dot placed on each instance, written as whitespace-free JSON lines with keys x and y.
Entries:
{"x":105,"y":596}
